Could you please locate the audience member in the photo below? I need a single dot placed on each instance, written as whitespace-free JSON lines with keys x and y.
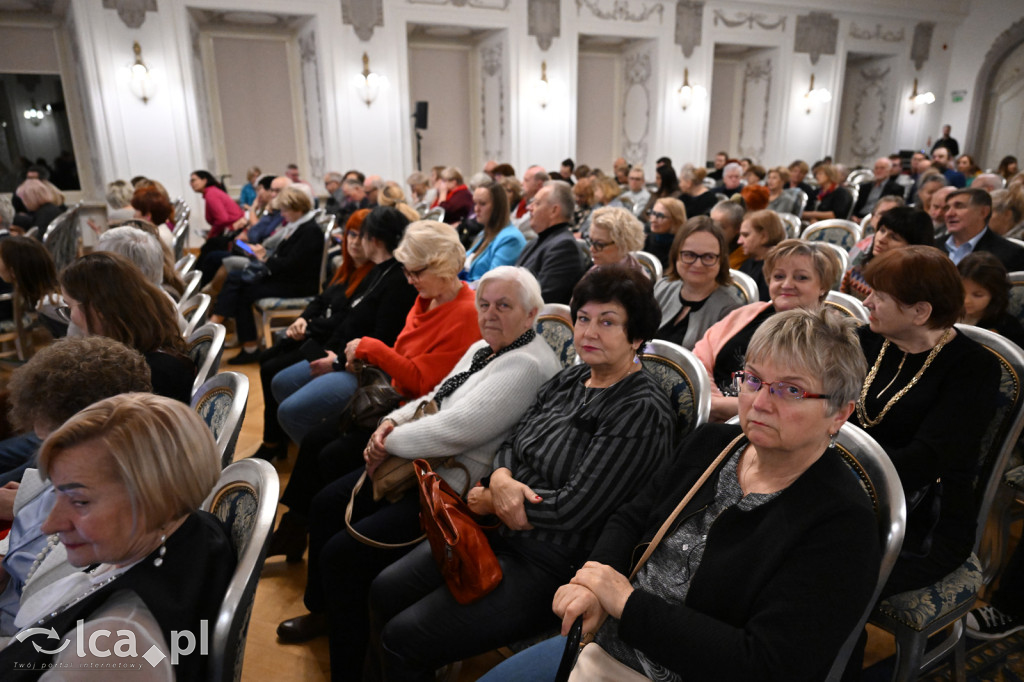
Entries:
{"x":42,"y":206}
{"x":942,"y":160}
{"x":522,"y":217}
{"x":966,"y":165}
{"x":800,"y":274}
{"x":553,"y":257}
{"x":989,"y":182}
{"x":759,"y":232}
{"x":798,"y":170}
{"x":755,"y":197}
{"x":667,"y":216}
{"x":947,"y":142}
{"x":248,"y":193}
{"x":871,"y":191}
{"x":119,"y":198}
{"x":897,"y":227}
{"x":695,"y":292}
{"x":833,"y":200}
{"x":728,"y":215}
{"x":501,"y":242}
{"x":636,"y":192}
{"x":986,"y":296}
{"x":698,"y":199}
{"x":28,"y":267}
{"x":107,"y":295}
{"x":222,"y":213}
{"x":732,"y":178}
{"x":721,"y":158}
{"x":1008,"y":167}
{"x":781,"y":199}
{"x":937,"y":211}
{"x":1007,"y":212}
{"x":614,"y":235}
{"x":967,"y":214}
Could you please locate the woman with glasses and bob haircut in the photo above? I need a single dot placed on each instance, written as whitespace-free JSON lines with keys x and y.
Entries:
{"x":778,"y":532}
{"x":929,"y":395}
{"x":695,"y":292}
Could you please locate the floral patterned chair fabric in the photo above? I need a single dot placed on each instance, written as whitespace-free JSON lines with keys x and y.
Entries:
{"x":842,"y":233}
{"x":205,"y":346}
{"x":554,"y":324}
{"x":245,"y":499}
{"x":221,"y":403}
{"x":685,"y":380}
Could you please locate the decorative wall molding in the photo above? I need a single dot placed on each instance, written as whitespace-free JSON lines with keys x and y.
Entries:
{"x":131,"y":12}
{"x":202,"y":95}
{"x":363,"y":16}
{"x":544,"y":21}
{"x":756,"y":75}
{"x":872,"y":91}
{"x":638,"y":75}
{"x":620,"y":11}
{"x":233,"y":19}
{"x":877,"y":34}
{"x":478,"y":4}
{"x":491,"y":58}
{"x":922,"y":44}
{"x":312,"y":98}
{"x":1002,"y":47}
{"x":816,"y":34}
{"x":750,"y":20}
{"x":689,"y":25}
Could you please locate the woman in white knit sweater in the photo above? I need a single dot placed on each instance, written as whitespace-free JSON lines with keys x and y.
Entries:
{"x":479,"y":402}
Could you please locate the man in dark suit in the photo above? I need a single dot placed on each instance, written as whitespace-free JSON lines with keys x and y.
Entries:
{"x":553,"y":257}
{"x":871,"y":191}
{"x":967,"y":214}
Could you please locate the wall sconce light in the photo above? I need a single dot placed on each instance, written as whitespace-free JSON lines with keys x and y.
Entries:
{"x":368,"y":83}
{"x":917,"y":100}
{"x":816,"y":95}
{"x":141,"y":79}
{"x":542,"y":88}
{"x":35,"y":116}
{"x":687,"y":94}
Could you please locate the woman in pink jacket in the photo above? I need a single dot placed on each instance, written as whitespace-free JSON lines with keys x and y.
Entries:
{"x":799,"y":275}
{"x":222,"y":213}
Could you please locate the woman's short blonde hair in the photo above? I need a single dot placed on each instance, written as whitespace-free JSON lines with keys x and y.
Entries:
{"x":826,"y":263}
{"x":119,"y":194}
{"x":608,"y":186}
{"x":529,"y":288}
{"x":391,"y":194}
{"x":674,"y":209}
{"x":161,"y":450}
{"x":822,"y":343}
{"x":452,"y":173}
{"x":624,"y":229}
{"x":291,"y":198}
{"x":34,"y":193}
{"x":432,"y":244}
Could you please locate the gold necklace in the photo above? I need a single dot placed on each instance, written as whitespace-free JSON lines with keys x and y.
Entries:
{"x":862,"y":412}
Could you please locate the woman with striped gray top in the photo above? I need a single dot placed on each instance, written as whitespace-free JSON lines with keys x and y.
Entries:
{"x":597,"y":432}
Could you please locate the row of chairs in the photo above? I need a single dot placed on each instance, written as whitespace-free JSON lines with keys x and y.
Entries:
{"x":912,"y":617}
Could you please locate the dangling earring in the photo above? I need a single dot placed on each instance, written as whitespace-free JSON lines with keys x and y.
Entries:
{"x":159,"y":560}
{"x":832,"y":440}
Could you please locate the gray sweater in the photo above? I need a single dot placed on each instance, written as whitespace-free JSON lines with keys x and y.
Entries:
{"x":721,"y":302}
{"x":475,"y":419}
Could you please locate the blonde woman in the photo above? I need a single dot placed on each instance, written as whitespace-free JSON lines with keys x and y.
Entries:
{"x":614,"y":233}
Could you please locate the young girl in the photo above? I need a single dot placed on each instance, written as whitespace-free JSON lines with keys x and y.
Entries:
{"x":987,"y":294}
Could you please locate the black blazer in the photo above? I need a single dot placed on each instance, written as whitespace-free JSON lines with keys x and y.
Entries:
{"x":890,"y":188}
{"x":1011,"y":255}
{"x":296,"y":261}
{"x":556,"y":262}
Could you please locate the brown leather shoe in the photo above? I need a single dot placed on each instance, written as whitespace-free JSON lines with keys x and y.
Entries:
{"x":302,"y":629}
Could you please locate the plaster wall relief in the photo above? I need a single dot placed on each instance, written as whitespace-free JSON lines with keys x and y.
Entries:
{"x":1006,"y":116}
{"x":754,"y":109}
{"x":637,"y":109}
{"x":816,"y":34}
{"x":689,"y":25}
{"x":544,"y":21}
{"x":131,"y":12}
{"x":492,"y":99}
{"x":877,"y":33}
{"x":312,"y":98}
{"x":750,"y":20}
{"x":868,"y":95}
{"x":921,"y":47}
{"x":202,"y":94}
{"x":636,"y":12}
{"x":363,"y":16}
{"x":981,"y":104}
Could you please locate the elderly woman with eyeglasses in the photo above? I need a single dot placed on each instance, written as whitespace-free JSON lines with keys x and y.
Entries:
{"x":614,"y":233}
{"x":695,"y":293}
{"x":799,"y":275}
{"x":779,"y":533}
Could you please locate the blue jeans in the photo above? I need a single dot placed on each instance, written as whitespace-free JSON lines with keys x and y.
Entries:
{"x":306,"y":402}
{"x":539,"y":663}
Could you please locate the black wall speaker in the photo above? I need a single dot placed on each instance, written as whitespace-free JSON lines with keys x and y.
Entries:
{"x":421,"y":115}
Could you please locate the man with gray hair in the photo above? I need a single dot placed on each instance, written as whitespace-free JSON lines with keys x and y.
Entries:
{"x":335,"y":198}
{"x":533,"y":180}
{"x":553,"y":257}
{"x":373,"y":185}
{"x":637,"y":191}
{"x":871,"y":191}
{"x":732,"y":175}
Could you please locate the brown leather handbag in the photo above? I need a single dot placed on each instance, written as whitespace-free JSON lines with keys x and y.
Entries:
{"x":458,"y":543}
{"x":373,"y":400}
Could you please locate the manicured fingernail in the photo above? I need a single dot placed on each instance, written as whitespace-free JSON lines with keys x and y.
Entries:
{"x":537,"y":497}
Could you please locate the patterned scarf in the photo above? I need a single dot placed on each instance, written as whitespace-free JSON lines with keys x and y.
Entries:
{"x":480,"y":360}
